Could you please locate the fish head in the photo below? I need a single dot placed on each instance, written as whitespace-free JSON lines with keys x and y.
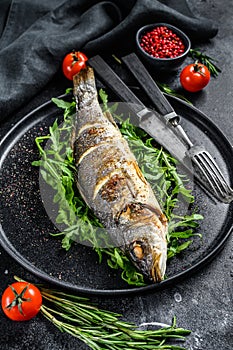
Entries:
{"x":144,"y":231}
{"x":149,"y":254}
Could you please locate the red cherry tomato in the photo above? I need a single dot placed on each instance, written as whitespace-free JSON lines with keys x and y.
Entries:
{"x":21,"y":301}
{"x":194,"y":77}
{"x":73,"y":63}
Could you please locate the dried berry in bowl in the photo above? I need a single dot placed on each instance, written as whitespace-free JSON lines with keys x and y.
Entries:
{"x":163,"y":45}
{"x":162,"y":42}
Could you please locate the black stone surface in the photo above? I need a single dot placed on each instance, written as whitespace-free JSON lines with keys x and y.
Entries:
{"x":203,"y":302}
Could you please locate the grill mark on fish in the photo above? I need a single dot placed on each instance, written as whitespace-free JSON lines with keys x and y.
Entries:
{"x":113,"y":186}
{"x":91,"y":136}
{"x":137,"y":213}
{"x":121,"y":179}
{"x":107,"y":185}
{"x":88,"y":126}
{"x":110,"y":189}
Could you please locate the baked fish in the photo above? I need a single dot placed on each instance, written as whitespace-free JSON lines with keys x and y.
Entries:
{"x":113,"y":186}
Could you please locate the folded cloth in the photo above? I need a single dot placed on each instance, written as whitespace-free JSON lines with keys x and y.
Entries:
{"x":36,"y":35}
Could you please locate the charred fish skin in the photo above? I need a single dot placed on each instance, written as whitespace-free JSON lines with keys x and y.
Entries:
{"x":112,"y":184}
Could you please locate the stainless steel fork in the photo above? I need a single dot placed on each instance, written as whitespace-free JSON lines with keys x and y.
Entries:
{"x":208,"y":169}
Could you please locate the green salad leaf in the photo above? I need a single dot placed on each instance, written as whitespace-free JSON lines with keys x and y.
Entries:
{"x":158,"y":166}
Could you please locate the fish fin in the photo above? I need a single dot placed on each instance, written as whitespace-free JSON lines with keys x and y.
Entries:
{"x":109,"y":116}
{"x":73,"y":136}
{"x":84,"y":87}
{"x":84,"y":90}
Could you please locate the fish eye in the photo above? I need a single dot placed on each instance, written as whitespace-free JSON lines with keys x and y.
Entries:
{"x":136,"y":250}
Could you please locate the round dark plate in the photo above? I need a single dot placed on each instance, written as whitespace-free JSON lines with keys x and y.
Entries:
{"x":25,"y":225}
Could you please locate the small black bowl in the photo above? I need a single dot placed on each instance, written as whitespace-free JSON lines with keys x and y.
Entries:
{"x":163,"y":63}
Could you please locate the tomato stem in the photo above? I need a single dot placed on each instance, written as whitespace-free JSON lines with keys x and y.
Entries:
{"x":75,"y":57}
{"x":18,"y":300}
{"x":198,"y":68}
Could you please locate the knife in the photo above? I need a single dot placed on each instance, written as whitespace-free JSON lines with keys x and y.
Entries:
{"x":147,"y":119}
{"x":156,"y":96}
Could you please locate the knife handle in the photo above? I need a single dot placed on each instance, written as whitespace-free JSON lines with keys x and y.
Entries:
{"x":150,"y":87}
{"x":111,"y":79}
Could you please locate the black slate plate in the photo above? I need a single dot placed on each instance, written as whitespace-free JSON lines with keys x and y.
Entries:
{"x":25,"y":225}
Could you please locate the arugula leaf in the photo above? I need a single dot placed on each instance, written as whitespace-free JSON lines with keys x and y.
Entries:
{"x":104,"y":98}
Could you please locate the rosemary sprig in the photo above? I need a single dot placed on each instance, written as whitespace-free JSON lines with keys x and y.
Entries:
{"x":166,"y":88}
{"x":206,"y":60}
{"x":102,"y":329}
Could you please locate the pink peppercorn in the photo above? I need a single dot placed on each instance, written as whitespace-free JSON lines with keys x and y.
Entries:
{"x":162,"y":42}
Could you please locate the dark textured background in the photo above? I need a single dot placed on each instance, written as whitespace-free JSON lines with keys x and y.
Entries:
{"x":205,"y":305}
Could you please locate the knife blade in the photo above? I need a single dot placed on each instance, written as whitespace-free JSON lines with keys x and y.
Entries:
{"x":148,"y":120}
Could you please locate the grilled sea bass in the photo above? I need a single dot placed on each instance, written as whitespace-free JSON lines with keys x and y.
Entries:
{"x":113,"y":186}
